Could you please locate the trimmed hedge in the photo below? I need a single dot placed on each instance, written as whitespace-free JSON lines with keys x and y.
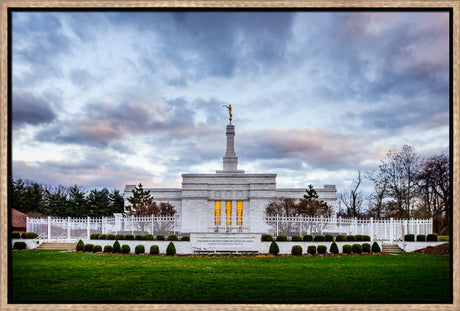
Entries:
{"x":296,"y":238}
{"x":334,"y":248}
{"x":119,"y":236}
{"x":125,"y":249}
{"x":15,"y":235}
{"x":129,"y":236}
{"x":346,"y":249}
{"x":351,"y":238}
{"x":185,"y":238}
{"x":139,"y":237}
{"x":274,"y":249}
{"x":319,"y":238}
{"x":296,"y":250}
{"x":97,"y":248}
{"x":281,"y":238}
{"x":357,"y":248}
{"x":29,"y":235}
{"x":366,"y":248}
{"x":329,"y":238}
{"x":19,"y":245}
{"x":148,"y":237}
{"x":80,"y":246}
{"x":322,"y":249}
{"x":308,"y":238}
{"x":421,"y":238}
{"x":376,"y":248}
{"x":366,"y":238}
{"x":89,"y":247}
{"x":409,"y":237}
{"x":102,"y":236}
{"x":116,"y":247}
{"x":266,"y":238}
{"x":311,"y":249}
{"x":341,"y":238}
{"x":139,"y":249}
{"x":110,"y":236}
{"x":433,"y":237}
{"x":172,"y":237}
{"x":94,"y":236}
{"x":107,"y":249}
{"x":171,"y":249}
{"x":160,"y":237}
{"x":154,"y":250}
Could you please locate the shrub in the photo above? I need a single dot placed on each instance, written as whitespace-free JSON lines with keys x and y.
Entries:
{"x":358,"y":237}
{"x":376,"y":247}
{"x":97,"y":248}
{"x":107,"y":249}
{"x":296,"y":250}
{"x":443,"y":238}
{"x":366,"y":248}
{"x":274,"y":249}
{"x":296,"y":238}
{"x":357,"y":248}
{"x":281,"y":238}
{"x":148,"y":237}
{"x":334,"y":248}
{"x":15,"y":235}
{"x":19,"y":245}
{"x":139,"y":237}
{"x":129,"y":236}
{"x":340,"y":238}
{"x":421,"y":238}
{"x":29,"y":235}
{"x":80,"y":246}
{"x":319,"y":238}
{"x":154,"y":250}
{"x":172,"y":237}
{"x":311,"y":249}
{"x":139,"y":249}
{"x":366,"y":238}
{"x":321,"y":249}
{"x":409,"y":237}
{"x":308,"y":237}
{"x":103,"y":237}
{"x":89,"y":247}
{"x":110,"y":236}
{"x":171,"y":249}
{"x":119,"y":236}
{"x":160,"y":237}
{"x":432,"y":237}
{"x":125,"y":249}
{"x":346,"y":249}
{"x":116,"y":247}
{"x":351,"y":238}
{"x":266,"y":238}
{"x":94,"y":236}
{"x":329,"y":238}
{"x":185,"y":238}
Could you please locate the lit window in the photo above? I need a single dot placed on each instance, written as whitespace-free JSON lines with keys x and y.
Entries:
{"x":239,"y":213}
{"x":217,"y":213}
{"x":228,"y":212}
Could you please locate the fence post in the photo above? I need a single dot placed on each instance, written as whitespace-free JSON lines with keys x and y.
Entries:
{"x":277,"y":219}
{"x":87,"y":227}
{"x":49,"y":228}
{"x":132,"y":224}
{"x":68,"y":228}
{"x":371,"y":222}
{"x":321,"y":226}
{"x":391,"y":230}
{"x":340,"y":224}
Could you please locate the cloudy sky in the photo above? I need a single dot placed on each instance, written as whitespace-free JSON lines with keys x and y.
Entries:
{"x":105,"y":99}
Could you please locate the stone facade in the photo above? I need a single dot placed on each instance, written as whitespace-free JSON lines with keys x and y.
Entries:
{"x":196,"y":201}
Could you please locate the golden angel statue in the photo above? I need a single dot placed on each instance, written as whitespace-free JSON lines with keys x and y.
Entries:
{"x":229,"y":107}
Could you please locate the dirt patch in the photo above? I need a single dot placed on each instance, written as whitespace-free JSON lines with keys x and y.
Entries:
{"x":442,"y":249}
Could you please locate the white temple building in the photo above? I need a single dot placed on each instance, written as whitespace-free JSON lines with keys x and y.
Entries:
{"x":228,"y":200}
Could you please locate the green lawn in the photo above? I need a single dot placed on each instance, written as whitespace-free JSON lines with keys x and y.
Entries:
{"x":54,"y":276}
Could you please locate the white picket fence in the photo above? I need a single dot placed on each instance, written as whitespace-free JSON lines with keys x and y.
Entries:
{"x":52,"y":228}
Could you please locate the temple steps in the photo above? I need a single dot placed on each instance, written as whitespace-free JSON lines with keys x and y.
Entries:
{"x":390,"y":248}
{"x":58,"y":246}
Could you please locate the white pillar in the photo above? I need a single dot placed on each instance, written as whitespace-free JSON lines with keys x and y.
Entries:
{"x":340,"y":224}
{"x":87,"y":227}
{"x":391,"y":230}
{"x":371,"y":222}
{"x":132,"y":224}
{"x":49,"y":228}
{"x":68,"y":228}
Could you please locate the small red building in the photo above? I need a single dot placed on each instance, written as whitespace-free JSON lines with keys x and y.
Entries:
{"x":18,"y":221}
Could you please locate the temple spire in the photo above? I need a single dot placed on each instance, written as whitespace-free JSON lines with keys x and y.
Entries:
{"x":230,"y":160}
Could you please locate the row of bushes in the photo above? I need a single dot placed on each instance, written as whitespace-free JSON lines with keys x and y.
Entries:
{"x":321,"y":249}
{"x":25,"y":235}
{"x":124,"y":249}
{"x":318,"y":238}
{"x":19,"y":245}
{"x":421,"y":238}
{"x":140,"y":237}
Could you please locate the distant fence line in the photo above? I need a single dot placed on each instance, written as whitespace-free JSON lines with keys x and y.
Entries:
{"x":52,"y":228}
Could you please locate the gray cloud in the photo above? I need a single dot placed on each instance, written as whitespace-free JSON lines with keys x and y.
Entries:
{"x":30,"y":109}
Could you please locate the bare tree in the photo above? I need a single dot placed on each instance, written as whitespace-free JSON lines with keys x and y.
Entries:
{"x":353,"y":198}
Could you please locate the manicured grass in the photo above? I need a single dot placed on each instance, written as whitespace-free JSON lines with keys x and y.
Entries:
{"x":54,"y":276}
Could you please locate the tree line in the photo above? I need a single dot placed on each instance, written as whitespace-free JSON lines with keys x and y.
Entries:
{"x":403,"y":186}
{"x":36,"y":199}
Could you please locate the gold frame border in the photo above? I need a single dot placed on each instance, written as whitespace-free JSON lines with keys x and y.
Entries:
{"x":5,"y":4}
